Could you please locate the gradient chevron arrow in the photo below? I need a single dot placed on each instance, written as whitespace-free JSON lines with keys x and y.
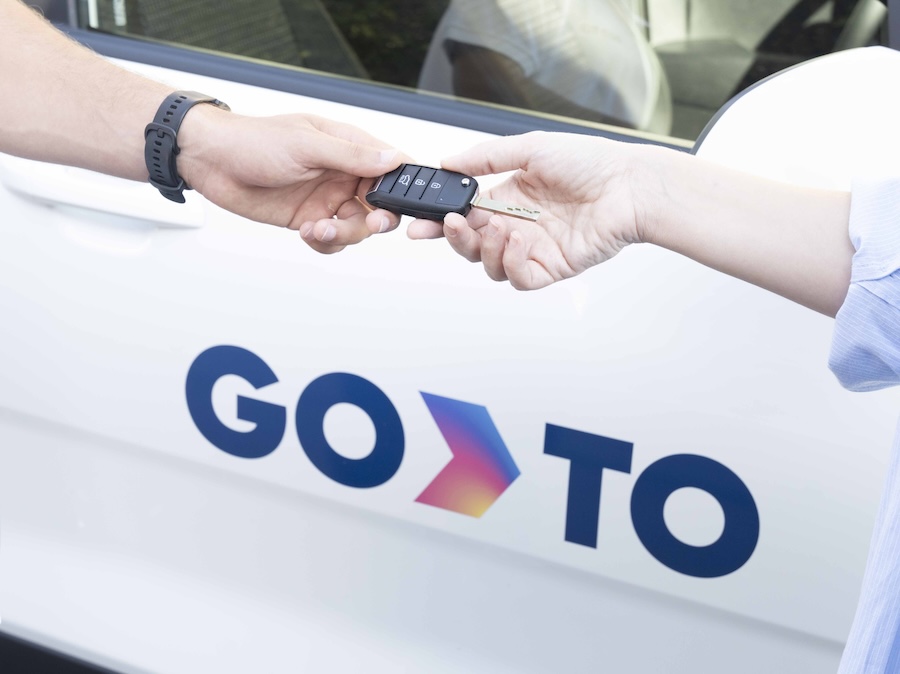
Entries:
{"x":481,"y":468}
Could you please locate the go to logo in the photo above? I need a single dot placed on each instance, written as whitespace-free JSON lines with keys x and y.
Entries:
{"x":480,"y":471}
{"x":481,"y":468}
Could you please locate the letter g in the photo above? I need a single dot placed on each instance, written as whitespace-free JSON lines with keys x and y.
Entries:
{"x":210,"y":366}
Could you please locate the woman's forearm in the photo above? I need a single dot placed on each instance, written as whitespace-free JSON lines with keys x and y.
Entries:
{"x":791,"y":240}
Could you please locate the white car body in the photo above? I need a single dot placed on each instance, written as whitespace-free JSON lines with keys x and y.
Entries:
{"x":130,"y":540}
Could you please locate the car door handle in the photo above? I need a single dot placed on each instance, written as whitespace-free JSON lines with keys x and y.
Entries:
{"x":85,"y":190}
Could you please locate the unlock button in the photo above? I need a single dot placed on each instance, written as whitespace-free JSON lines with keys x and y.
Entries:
{"x":420,"y":183}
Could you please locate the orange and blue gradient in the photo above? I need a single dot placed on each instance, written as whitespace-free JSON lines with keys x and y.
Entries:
{"x":481,"y":468}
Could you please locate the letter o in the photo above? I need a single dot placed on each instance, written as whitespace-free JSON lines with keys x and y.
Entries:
{"x":328,"y":390}
{"x":739,"y":536}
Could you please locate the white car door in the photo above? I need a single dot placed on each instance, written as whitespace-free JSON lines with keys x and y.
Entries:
{"x":221,"y":451}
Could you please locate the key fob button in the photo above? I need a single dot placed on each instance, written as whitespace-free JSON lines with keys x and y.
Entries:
{"x":423,"y":192}
{"x":435,"y":185}
{"x":420,"y":183}
{"x":405,"y":181}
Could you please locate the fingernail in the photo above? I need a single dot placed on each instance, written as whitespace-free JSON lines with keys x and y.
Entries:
{"x":451,"y":231}
{"x":387,"y":156}
{"x":329,"y":233}
{"x":385,"y":224}
{"x":306,"y":229}
{"x":493,"y":229}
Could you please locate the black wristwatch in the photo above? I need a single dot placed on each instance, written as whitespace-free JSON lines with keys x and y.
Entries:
{"x":161,"y":146}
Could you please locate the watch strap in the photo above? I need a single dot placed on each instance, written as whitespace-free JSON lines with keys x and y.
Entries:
{"x":161,"y":142}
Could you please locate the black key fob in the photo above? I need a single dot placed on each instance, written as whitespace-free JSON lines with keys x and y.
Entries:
{"x":424,"y":192}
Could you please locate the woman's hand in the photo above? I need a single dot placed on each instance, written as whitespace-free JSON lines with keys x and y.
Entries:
{"x":581,"y":185}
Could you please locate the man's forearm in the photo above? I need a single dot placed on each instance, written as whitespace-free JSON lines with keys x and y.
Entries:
{"x":64,"y":104}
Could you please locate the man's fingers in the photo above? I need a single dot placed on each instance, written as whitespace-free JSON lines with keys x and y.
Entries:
{"x":332,"y":233}
{"x":348,"y":132}
{"x":350,"y":157}
{"x":346,"y":228}
{"x":425,"y":229}
{"x":307,"y":234}
{"x":389,"y":157}
{"x":381,"y":221}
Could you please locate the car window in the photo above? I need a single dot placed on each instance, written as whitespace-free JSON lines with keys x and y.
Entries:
{"x":647,"y":66}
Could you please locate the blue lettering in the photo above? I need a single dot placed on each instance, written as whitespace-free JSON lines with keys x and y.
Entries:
{"x":210,"y":366}
{"x":338,"y":387}
{"x":589,"y":455}
{"x":739,"y":537}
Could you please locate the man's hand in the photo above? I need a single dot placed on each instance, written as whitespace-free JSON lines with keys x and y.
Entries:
{"x":297,"y":171}
{"x":580,"y":184}
{"x":303,"y":172}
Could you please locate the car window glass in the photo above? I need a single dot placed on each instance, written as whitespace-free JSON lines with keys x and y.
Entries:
{"x":657,"y":66}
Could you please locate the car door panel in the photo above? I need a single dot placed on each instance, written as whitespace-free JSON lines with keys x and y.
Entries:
{"x":120,"y":518}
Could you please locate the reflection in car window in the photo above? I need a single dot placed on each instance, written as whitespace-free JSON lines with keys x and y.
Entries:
{"x":713,"y":49}
{"x":658,"y":66}
{"x":589,"y":59}
{"x":293,"y":33}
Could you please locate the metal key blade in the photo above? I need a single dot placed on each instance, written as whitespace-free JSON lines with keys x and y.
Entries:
{"x":495,"y":206}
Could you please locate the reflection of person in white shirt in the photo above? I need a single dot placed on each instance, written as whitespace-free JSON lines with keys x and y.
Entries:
{"x":580,"y":58}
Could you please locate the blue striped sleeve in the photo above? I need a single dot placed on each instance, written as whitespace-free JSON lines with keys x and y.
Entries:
{"x":865,"y":349}
{"x":865,"y":355}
